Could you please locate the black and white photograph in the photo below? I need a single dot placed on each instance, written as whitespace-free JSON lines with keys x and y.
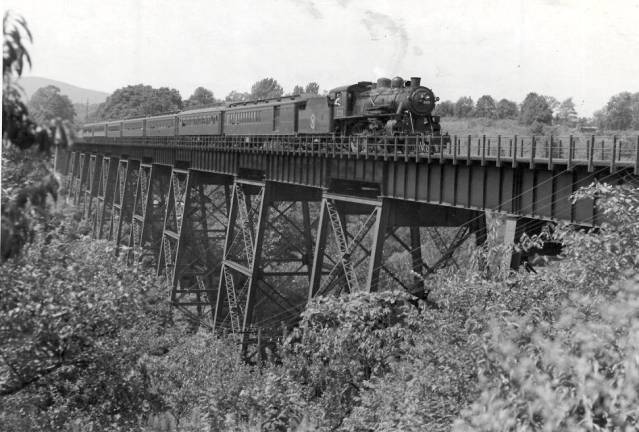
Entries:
{"x":319,"y":215}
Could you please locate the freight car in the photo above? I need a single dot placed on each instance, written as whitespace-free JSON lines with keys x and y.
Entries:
{"x":385,"y":108}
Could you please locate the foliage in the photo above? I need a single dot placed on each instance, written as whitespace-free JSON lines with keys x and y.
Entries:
{"x":236,"y":96}
{"x":28,"y":188}
{"x":567,"y":112}
{"x":615,"y":249}
{"x":538,"y":128}
{"x":205,"y":383}
{"x":570,"y":361}
{"x":15,"y":53}
{"x":16,"y":125}
{"x":312,"y":88}
{"x":485,"y":107}
{"x":18,"y":128}
{"x":435,"y":376}
{"x":507,"y":109}
{"x":266,"y":88}
{"x":48,"y":104}
{"x":620,"y":113}
{"x":445,"y":109}
{"x":577,"y":372}
{"x":535,"y":108}
{"x":344,"y":342}
{"x":464,"y":107}
{"x":201,"y":97}
{"x":27,"y":178}
{"x":67,"y":303}
{"x":553,"y":104}
{"x":298,"y":89}
{"x":140,"y":101}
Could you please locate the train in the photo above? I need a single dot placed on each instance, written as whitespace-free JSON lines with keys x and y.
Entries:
{"x":388,"y":107}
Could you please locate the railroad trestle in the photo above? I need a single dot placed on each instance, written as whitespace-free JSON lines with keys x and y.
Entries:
{"x":245,"y":236}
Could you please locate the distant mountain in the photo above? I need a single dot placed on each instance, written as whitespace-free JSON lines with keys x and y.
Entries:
{"x":77,"y":95}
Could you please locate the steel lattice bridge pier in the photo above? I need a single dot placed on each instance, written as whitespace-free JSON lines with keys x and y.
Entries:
{"x":246,"y":229}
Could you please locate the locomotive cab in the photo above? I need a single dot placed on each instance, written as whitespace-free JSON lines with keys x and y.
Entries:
{"x":344,"y":99}
{"x":338,"y":99}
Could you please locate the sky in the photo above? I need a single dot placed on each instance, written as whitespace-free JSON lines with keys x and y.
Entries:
{"x":584,"y":49}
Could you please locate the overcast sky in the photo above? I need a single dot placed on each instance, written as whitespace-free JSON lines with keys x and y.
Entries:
{"x":587,"y":49}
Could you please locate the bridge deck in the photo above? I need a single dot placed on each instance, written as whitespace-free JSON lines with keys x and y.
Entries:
{"x":592,"y":151}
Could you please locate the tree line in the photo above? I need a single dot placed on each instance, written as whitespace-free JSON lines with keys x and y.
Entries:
{"x":621,"y":112}
{"x":534,"y":108}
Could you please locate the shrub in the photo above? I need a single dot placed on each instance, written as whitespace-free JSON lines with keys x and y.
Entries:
{"x":342,"y":343}
{"x":537,"y":128}
{"x":570,"y":362}
{"x":66,"y":305}
{"x":579,"y":371}
{"x":205,"y":384}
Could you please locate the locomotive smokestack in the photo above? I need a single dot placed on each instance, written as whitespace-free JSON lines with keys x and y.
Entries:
{"x":414,"y":82}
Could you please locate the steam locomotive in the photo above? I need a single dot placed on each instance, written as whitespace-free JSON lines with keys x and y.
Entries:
{"x":390,"y":107}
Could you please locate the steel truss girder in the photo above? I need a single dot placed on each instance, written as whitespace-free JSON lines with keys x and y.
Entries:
{"x":91,"y":192}
{"x":80,"y":181}
{"x":104,"y":199}
{"x":257,"y":211}
{"x":194,"y":222}
{"x":71,"y":174}
{"x":125,"y":181}
{"x":232,"y":274}
{"x":390,"y":232}
{"x":440,"y":243}
{"x":149,"y":205}
{"x":331,"y":214}
{"x":332,"y":219}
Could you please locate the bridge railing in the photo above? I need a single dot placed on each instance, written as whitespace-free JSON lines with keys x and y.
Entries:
{"x":602,"y":150}
{"x":615,"y":150}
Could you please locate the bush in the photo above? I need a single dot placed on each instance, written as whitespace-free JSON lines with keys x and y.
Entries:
{"x":537,"y":128}
{"x":66,"y":307}
{"x":578,"y":371}
{"x":205,"y":384}
{"x":344,"y":342}
{"x":570,"y":362}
